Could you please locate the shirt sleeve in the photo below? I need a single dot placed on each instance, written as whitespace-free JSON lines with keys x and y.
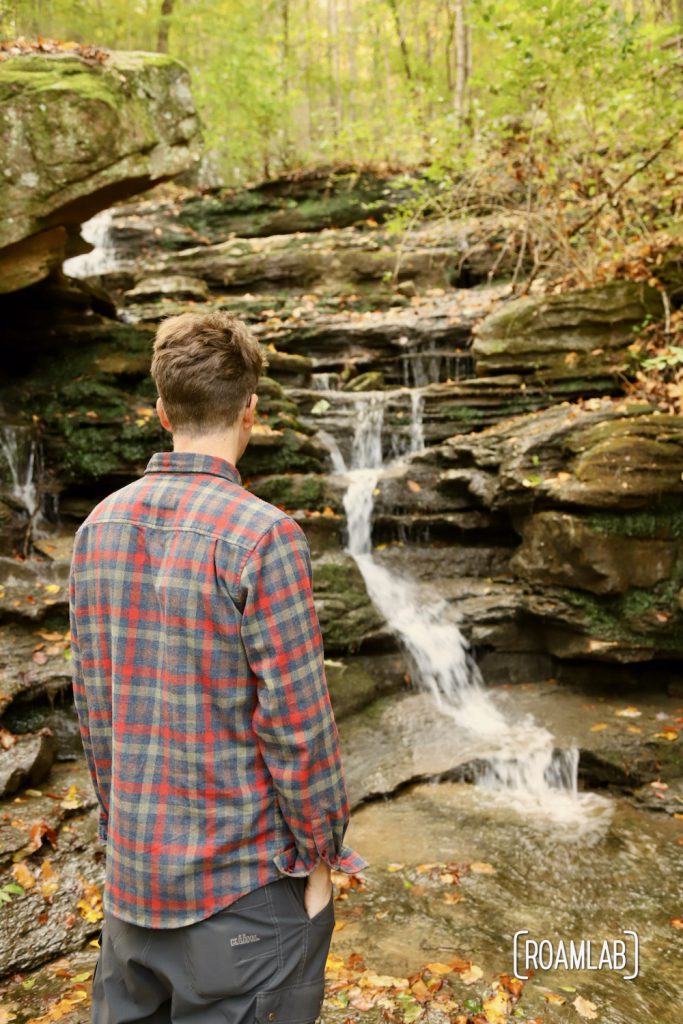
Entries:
{"x":84,"y":715}
{"x":293,"y":719}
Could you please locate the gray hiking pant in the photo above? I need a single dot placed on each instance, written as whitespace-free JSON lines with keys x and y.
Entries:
{"x":259,"y":961}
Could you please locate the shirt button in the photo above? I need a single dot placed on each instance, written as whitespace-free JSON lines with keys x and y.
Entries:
{"x":271,"y":1015}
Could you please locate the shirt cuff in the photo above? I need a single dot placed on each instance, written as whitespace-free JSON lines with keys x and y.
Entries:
{"x":291,"y":862}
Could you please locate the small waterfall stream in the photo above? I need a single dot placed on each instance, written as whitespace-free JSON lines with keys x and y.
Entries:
{"x":518,"y":758}
{"x":18,"y":446}
{"x":100,"y":259}
{"x":21,"y":450}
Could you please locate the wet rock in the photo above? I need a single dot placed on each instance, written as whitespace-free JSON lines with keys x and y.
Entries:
{"x":558,"y":548}
{"x":177,"y":287}
{"x":31,"y":587}
{"x":296,"y":491}
{"x":27,"y":761}
{"x":663,"y":797}
{"x":27,"y":671}
{"x":77,"y":864}
{"x":348,"y":619}
{"x":599,"y":454}
{"x":371,"y":381}
{"x":308,"y":203}
{"x":577,"y":334}
{"x":14,"y":524}
{"x":348,"y":258}
{"x":110,"y":128}
{"x":354,"y":682}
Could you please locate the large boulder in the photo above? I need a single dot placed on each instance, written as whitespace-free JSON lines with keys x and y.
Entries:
{"x":77,"y":135}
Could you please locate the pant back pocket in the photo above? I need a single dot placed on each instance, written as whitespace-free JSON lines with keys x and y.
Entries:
{"x":234,"y":951}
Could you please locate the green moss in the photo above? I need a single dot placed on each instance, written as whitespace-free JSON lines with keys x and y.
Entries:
{"x":632,"y":618}
{"x":38,"y":74}
{"x":664,"y":522}
{"x":294,"y":491}
{"x":461,"y":413}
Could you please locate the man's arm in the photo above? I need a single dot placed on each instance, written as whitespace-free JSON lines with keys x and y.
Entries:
{"x":81,"y":703}
{"x":293,"y":719}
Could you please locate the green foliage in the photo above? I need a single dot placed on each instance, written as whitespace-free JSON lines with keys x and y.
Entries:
{"x":581,"y":86}
{"x":670,"y":358}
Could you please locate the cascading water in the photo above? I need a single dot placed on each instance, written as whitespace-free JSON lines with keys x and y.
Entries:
{"x":22,"y":453}
{"x":518,"y":758}
{"x":102,"y":258}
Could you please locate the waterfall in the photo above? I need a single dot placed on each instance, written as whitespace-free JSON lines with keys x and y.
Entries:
{"x":518,"y":759}
{"x":18,"y":445}
{"x":23,"y":454}
{"x":102,"y":258}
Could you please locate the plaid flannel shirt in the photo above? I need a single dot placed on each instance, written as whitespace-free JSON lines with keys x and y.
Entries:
{"x":200,"y":687}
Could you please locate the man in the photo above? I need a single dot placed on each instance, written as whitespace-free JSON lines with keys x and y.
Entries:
{"x":199,"y":681}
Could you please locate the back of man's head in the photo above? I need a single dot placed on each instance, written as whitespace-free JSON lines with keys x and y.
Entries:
{"x":205,"y":367}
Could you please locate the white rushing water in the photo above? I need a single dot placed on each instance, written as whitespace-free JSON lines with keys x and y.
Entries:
{"x":18,"y":445}
{"x":518,"y":757}
{"x":102,"y":258}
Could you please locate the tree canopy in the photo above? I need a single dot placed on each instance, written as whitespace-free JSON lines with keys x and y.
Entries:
{"x":285,"y":83}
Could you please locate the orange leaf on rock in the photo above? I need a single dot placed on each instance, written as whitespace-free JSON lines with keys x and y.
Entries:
{"x":585,"y":1008}
{"x":497,"y":1007}
{"x":420,"y":991}
{"x":49,"y":880}
{"x":23,"y":875}
{"x":438,"y":968}
{"x":414,"y":486}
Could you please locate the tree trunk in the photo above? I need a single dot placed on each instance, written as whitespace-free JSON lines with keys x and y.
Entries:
{"x":461,"y":61}
{"x":333,"y":61}
{"x":162,"y":36}
{"x":401,"y":40}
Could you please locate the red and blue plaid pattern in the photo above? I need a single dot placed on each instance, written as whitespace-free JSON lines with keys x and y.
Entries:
{"x":199,"y":682}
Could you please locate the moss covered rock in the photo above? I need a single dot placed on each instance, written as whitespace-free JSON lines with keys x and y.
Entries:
{"x":573,"y":334}
{"x":77,"y":135}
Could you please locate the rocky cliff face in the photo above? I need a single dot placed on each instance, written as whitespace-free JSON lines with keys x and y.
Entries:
{"x":545,"y":515}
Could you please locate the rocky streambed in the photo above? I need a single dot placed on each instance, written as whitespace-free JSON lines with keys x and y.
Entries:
{"x":498,"y":566}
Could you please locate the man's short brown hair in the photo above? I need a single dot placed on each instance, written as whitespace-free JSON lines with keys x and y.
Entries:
{"x":206,"y":367}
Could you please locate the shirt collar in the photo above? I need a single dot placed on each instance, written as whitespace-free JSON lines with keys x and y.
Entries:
{"x":193,"y":462}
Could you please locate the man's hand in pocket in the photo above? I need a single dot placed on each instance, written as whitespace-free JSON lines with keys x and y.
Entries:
{"x":318,"y":888}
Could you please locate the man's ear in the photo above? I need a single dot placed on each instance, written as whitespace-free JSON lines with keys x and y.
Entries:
{"x":250,"y":411}
{"x":161,"y":413}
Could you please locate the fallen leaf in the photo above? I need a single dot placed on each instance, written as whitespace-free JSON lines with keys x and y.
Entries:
{"x":599,"y":726}
{"x":439,"y":968}
{"x":585,"y":1008}
{"x":482,"y":868}
{"x":472,"y":974}
{"x":23,"y":875}
{"x":667,"y":734}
